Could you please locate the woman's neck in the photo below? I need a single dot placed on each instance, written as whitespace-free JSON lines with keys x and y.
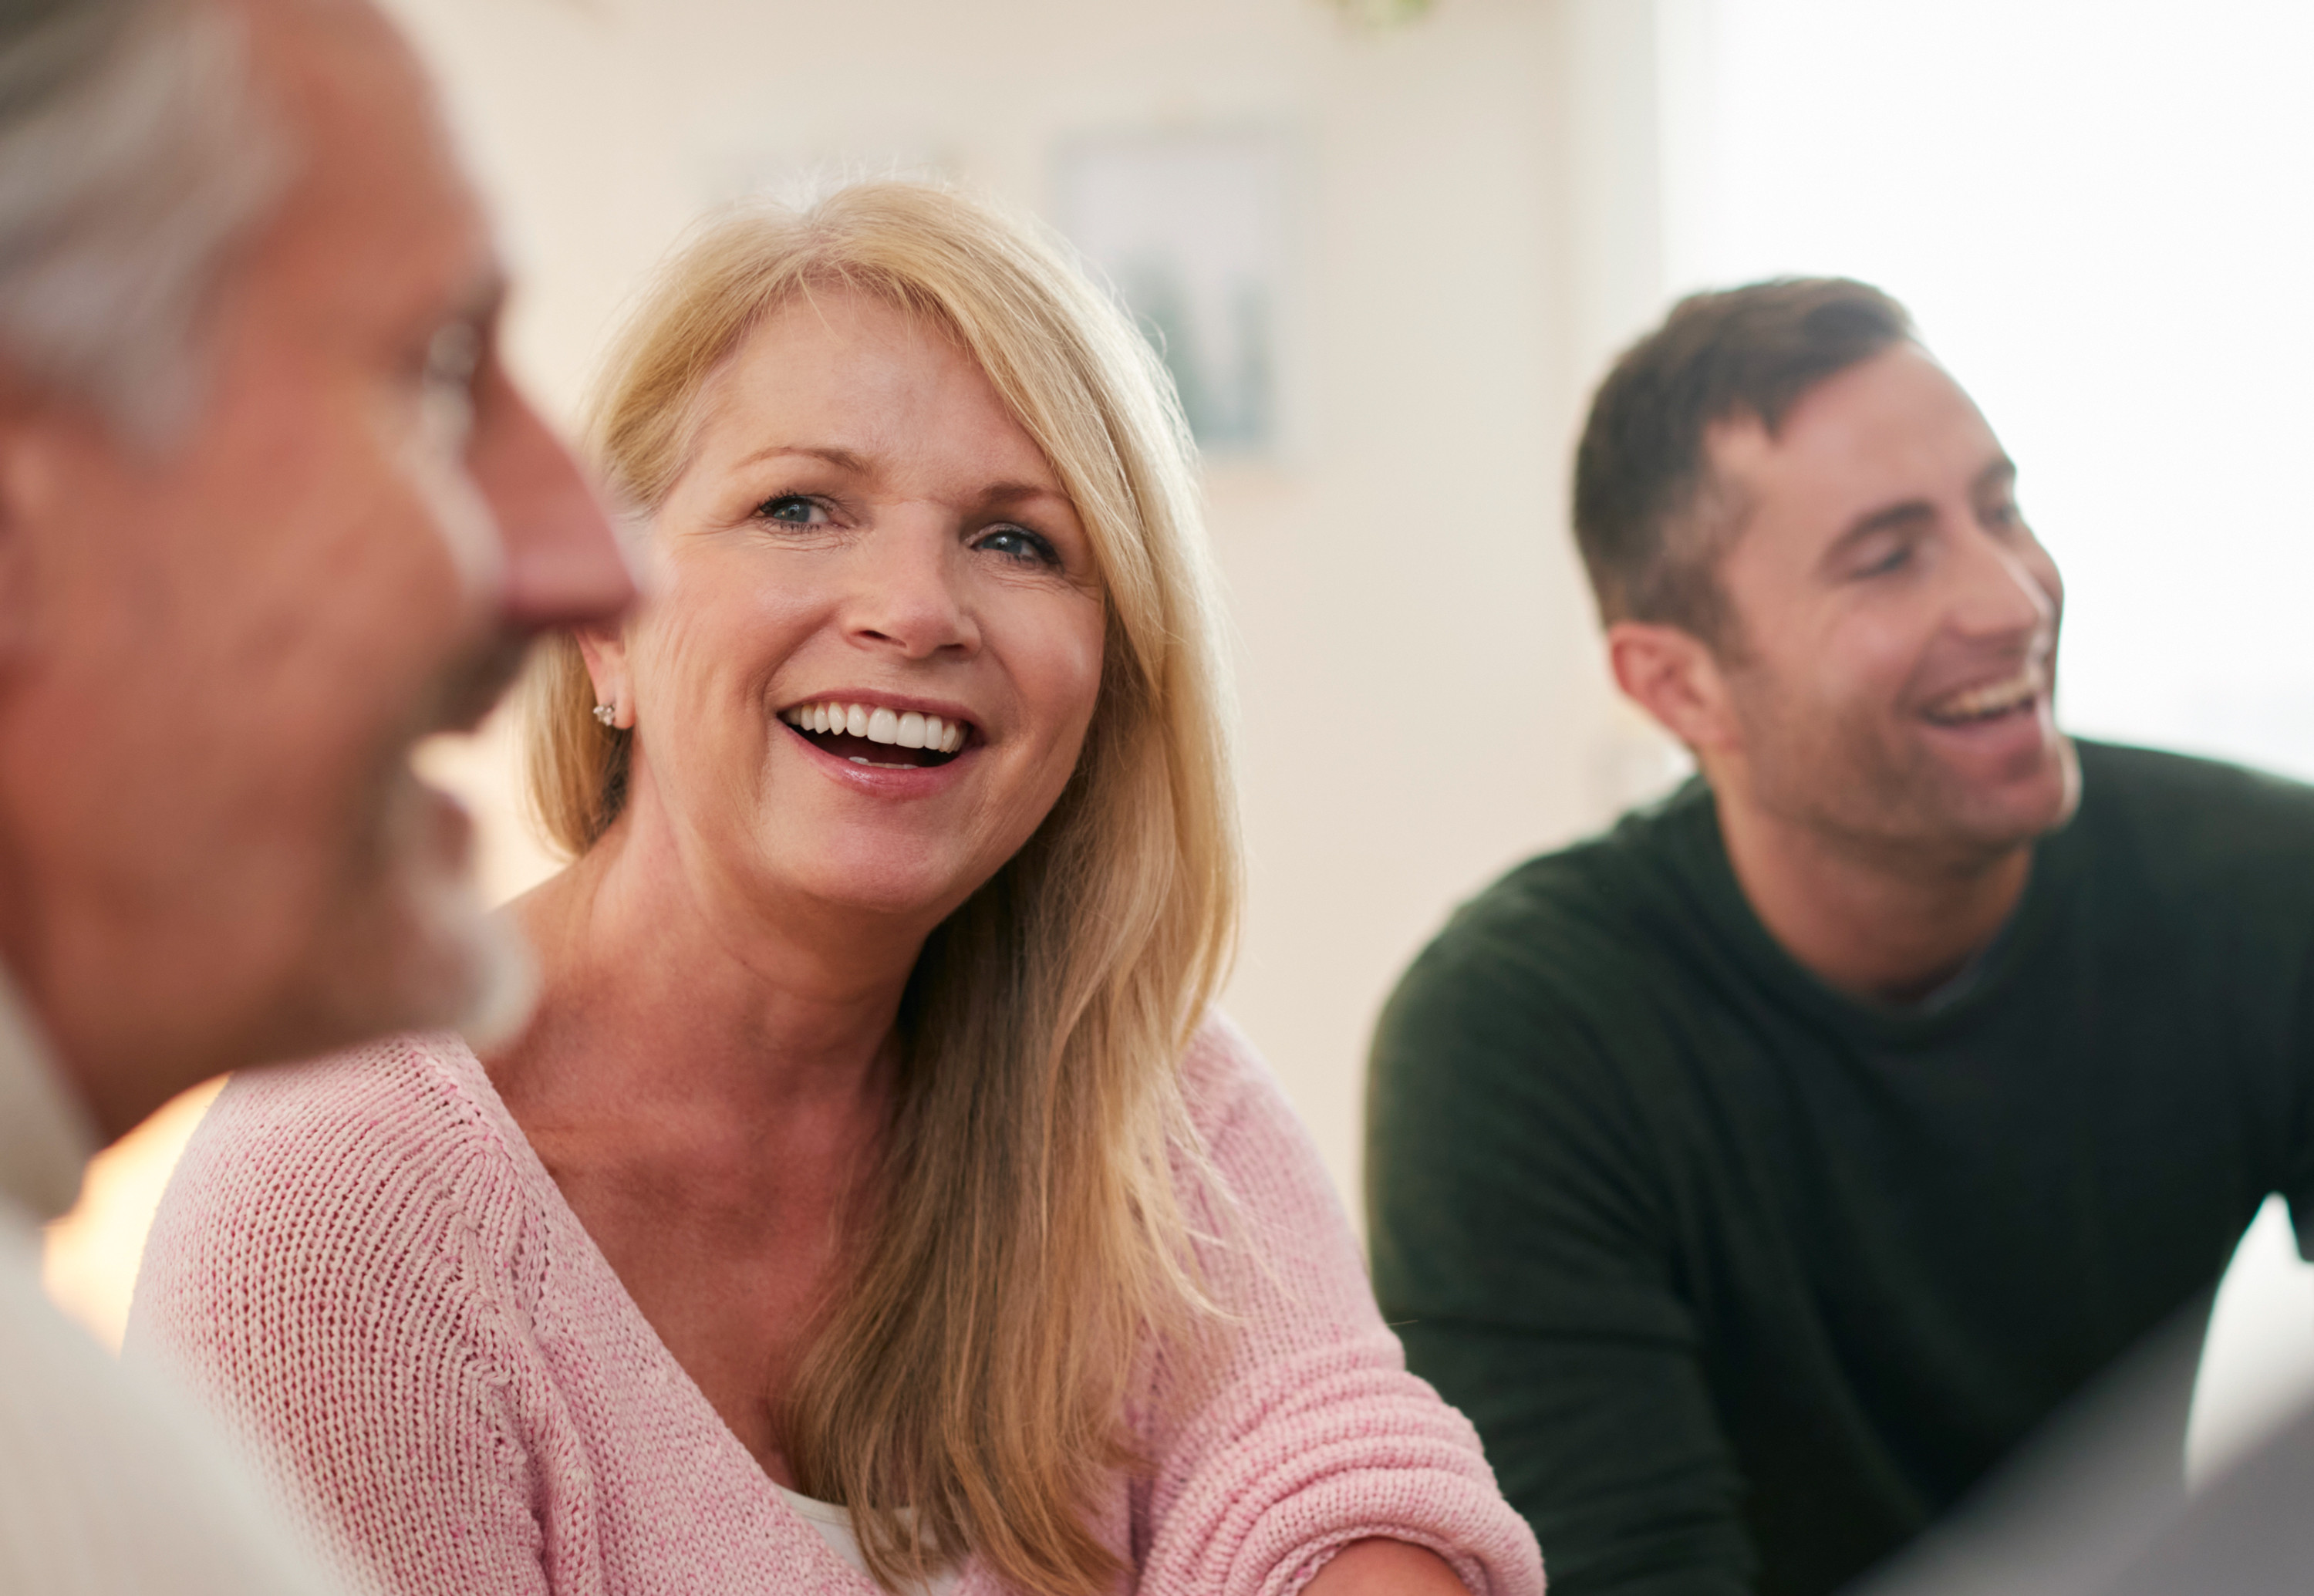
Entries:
{"x":661,"y":981}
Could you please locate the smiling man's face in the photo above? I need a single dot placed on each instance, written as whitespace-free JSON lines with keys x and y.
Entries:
{"x":1891,"y":672}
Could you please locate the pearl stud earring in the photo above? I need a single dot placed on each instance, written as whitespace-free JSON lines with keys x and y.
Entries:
{"x":606,"y":714}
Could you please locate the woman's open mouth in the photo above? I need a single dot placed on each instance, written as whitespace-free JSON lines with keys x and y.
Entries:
{"x":880,"y":738}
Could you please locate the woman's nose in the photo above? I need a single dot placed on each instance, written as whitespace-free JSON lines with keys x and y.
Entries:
{"x":909,"y":595}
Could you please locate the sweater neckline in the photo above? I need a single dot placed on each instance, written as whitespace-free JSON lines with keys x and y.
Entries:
{"x":569,"y":1244}
{"x":831,"y":1521}
{"x":1726,"y":911}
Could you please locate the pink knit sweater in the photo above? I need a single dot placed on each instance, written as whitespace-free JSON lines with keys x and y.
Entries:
{"x":362,"y":1264}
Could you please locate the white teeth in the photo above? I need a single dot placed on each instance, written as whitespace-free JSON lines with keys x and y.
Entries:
{"x":905,"y":730}
{"x":1991,"y":699}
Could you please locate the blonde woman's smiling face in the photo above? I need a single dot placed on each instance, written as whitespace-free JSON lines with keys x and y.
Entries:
{"x":869,"y":666}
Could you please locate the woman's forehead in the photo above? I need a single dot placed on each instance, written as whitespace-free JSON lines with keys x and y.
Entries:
{"x":867,"y":387}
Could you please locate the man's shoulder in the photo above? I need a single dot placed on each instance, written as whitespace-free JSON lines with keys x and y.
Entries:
{"x":1519,"y":1069}
{"x":2158,"y":779}
{"x":1558,"y":977}
{"x":2193,"y":822}
{"x":113,"y":1485}
{"x":1579,"y":921}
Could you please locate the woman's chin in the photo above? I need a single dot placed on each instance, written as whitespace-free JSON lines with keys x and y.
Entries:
{"x":900,"y":896}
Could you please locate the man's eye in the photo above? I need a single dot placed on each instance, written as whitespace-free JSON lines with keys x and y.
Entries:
{"x":454,"y":355}
{"x":1886,"y":560}
{"x":794,"y":509}
{"x":1020,"y":543}
{"x":454,"y":358}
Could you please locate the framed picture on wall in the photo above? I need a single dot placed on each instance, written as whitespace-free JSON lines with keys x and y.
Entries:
{"x":1189,"y":227}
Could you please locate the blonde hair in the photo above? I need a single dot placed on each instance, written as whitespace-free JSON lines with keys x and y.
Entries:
{"x":967,"y":1394}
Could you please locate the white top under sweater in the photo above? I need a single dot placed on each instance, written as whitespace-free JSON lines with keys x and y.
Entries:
{"x":833,"y":1524}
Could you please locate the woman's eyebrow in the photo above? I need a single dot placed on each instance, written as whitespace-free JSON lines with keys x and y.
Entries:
{"x":1014,"y":492}
{"x":842,"y":459}
{"x":1008,"y":492}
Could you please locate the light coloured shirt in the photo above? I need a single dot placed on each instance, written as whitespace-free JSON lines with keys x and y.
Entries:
{"x":107,"y":1485}
{"x":832,"y":1522}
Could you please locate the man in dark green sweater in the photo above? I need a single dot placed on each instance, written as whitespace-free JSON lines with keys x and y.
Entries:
{"x":1758,"y":1175}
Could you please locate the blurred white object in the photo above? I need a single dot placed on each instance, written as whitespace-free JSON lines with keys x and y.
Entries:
{"x":2257,"y":1365}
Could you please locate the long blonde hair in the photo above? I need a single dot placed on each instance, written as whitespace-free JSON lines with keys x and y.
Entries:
{"x":967,"y":1394}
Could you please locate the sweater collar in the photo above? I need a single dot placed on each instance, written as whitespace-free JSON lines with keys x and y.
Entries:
{"x":46,"y":1139}
{"x":1694,"y":813}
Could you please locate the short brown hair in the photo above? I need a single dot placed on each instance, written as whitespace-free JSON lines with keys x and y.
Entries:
{"x":1641,"y":470}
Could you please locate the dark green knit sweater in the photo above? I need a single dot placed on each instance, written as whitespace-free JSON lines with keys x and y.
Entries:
{"x":1745,"y":1282}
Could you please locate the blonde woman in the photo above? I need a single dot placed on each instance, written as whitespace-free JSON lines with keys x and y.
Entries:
{"x":875,"y":1200}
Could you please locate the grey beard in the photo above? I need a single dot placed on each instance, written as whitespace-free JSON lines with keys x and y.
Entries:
{"x":502,"y":986}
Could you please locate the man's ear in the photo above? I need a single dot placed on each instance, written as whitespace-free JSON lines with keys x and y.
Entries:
{"x":1672,"y":675}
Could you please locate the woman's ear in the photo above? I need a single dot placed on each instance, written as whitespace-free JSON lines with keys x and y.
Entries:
{"x":604,"y":647}
{"x":1672,"y":675}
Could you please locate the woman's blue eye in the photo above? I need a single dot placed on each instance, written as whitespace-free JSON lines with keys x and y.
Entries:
{"x":793,"y":508}
{"x":1021,"y":543}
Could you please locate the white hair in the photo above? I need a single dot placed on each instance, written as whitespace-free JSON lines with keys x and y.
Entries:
{"x":133,"y":155}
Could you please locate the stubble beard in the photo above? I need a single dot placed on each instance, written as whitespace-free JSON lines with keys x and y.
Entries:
{"x":1887,"y":801}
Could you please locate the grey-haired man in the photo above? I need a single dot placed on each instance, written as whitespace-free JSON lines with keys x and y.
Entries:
{"x":270,"y":512}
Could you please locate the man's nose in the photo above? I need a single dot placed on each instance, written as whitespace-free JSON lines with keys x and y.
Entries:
{"x":909,"y":595}
{"x":564,"y":565}
{"x":1999,"y":595}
